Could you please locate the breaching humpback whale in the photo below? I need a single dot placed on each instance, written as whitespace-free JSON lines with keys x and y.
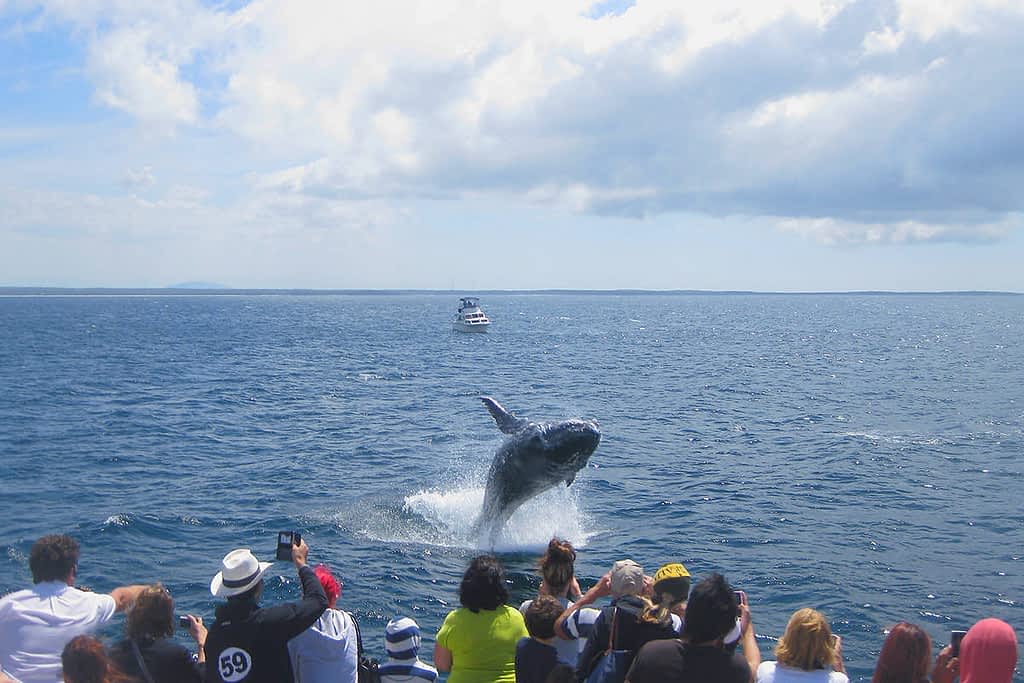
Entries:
{"x":536,"y":457}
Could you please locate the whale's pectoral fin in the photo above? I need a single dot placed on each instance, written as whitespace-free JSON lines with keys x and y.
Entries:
{"x":507,"y":422}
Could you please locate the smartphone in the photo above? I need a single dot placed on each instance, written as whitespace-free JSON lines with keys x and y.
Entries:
{"x":741,"y":597}
{"x":954,"y":641}
{"x":183,"y":621}
{"x":285,"y":540}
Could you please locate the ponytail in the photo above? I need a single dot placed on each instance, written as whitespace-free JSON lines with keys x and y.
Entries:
{"x":557,"y":565}
{"x":660,"y":612}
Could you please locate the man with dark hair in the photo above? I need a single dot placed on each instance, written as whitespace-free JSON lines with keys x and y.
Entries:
{"x":249,"y":642}
{"x":37,"y":622}
{"x":701,"y":655}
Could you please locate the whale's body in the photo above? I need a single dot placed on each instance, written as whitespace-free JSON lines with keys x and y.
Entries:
{"x":537,"y":456}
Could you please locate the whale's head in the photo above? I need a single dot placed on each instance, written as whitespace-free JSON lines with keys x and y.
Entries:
{"x":566,"y":445}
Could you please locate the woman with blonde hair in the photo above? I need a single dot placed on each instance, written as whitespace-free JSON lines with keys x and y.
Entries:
{"x":668,"y":600}
{"x":806,"y":652}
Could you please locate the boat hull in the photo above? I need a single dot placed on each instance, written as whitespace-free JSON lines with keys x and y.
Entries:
{"x":463,"y":327}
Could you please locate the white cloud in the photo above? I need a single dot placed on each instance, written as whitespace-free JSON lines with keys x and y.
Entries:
{"x":139,"y":178}
{"x":928,"y":18}
{"x":839,"y":233}
{"x":884,"y":41}
{"x":131,"y":78}
{"x":873,"y":113}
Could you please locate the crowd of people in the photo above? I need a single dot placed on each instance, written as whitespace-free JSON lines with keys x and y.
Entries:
{"x":652,"y":629}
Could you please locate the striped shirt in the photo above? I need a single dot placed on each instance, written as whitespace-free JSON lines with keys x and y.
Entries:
{"x":393,"y":671}
{"x":580,"y":624}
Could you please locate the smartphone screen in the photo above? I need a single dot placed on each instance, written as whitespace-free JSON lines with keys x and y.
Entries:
{"x":954,"y":640}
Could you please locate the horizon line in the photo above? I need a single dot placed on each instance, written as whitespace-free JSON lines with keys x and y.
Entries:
{"x":244,"y":291}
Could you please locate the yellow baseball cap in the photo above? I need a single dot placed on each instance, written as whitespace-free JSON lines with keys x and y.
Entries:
{"x":671,"y":571}
{"x":672,"y":580}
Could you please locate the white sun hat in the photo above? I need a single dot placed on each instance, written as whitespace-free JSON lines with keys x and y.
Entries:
{"x":239,"y":571}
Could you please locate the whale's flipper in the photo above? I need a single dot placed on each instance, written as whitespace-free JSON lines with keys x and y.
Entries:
{"x":507,"y":422}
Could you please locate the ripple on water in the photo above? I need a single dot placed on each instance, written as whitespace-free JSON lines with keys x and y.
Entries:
{"x":854,"y":453}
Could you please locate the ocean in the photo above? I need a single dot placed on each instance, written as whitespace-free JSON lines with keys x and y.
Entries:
{"x":862,"y":454}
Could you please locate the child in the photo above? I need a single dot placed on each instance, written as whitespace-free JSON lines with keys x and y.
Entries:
{"x":536,"y":655}
{"x":402,"y":643}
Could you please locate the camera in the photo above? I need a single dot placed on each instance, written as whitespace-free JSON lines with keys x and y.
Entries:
{"x":954,"y":641}
{"x":183,"y":621}
{"x":285,"y":541}
{"x":741,"y":598}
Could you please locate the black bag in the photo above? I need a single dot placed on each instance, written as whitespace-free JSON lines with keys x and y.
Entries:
{"x":369,"y":669}
{"x":611,"y":665}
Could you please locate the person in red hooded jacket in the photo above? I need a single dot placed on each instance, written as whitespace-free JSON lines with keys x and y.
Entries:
{"x":988,"y":654}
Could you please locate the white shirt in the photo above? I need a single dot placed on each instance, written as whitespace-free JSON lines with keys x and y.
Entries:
{"x":773,"y":672}
{"x":37,"y":622}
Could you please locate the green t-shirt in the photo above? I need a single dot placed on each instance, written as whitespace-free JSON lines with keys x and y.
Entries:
{"x":483,"y":644}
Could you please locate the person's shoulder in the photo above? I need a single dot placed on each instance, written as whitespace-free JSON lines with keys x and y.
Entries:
{"x":838,"y":677}
{"x":512,"y":612}
{"x":413,"y":671}
{"x":454,"y":619}
{"x":16,"y":597}
{"x":662,"y":646}
{"x":79,"y":600}
{"x":167,"y":645}
{"x":345,"y":621}
{"x":766,"y":671}
{"x":659,"y":652}
{"x":459,"y":614}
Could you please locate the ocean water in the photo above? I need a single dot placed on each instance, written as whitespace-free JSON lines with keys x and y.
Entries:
{"x":861,"y":454}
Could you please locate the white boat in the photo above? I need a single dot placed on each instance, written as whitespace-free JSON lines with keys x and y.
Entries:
{"x":469,"y":317}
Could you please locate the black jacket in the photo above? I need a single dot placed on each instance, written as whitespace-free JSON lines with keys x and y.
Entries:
{"x":631,"y":633}
{"x":248,"y":643}
{"x":166,"y":661}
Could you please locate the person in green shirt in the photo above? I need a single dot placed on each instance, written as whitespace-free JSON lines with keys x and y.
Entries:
{"x":477,"y":642}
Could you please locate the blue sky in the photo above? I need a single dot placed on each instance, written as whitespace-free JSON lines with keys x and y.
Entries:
{"x":777,"y":146}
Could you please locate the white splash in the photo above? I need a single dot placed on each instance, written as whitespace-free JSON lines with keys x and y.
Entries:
{"x":447,"y":520}
{"x":117,"y":520}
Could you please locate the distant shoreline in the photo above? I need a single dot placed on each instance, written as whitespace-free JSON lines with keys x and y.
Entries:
{"x":188,"y":291}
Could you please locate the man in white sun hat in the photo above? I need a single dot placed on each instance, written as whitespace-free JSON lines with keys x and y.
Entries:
{"x":250,"y":643}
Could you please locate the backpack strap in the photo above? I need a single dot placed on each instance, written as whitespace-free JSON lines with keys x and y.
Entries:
{"x":140,"y":661}
{"x":359,"y":636}
{"x":611,"y":633}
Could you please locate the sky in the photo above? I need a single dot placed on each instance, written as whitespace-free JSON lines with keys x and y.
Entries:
{"x":767,"y":145}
